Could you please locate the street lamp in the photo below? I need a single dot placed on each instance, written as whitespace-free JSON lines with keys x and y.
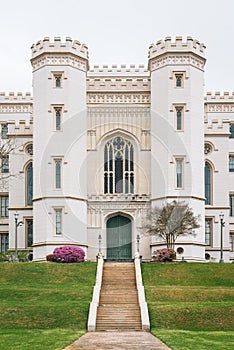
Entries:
{"x":138,"y":243}
{"x":222,"y":224}
{"x":100,"y":244}
{"x":20,"y":223}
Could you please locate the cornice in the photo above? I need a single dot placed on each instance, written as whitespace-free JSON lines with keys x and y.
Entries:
{"x":59,"y":59}
{"x":176,"y":59}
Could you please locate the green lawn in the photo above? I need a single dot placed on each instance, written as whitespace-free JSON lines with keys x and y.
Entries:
{"x":191,"y":305}
{"x":44,"y":306}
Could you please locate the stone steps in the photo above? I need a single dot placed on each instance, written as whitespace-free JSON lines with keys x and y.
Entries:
{"x":118,"y":305}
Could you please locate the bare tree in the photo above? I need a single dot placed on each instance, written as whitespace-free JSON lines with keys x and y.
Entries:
{"x":7,"y":146}
{"x":171,"y":221}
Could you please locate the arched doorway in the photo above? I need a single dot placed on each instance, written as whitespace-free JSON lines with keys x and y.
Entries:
{"x":119,"y":238}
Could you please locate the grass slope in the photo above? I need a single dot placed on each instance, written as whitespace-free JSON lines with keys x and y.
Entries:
{"x":191,"y":305}
{"x":44,"y":306}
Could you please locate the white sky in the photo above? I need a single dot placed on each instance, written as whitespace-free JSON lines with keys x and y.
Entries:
{"x":116,"y":32}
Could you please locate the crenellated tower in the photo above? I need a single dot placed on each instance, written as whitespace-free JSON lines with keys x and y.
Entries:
{"x":177,"y":139}
{"x":59,"y":90}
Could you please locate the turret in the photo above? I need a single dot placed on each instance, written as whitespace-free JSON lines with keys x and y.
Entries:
{"x":59,"y":90}
{"x":177,"y":140}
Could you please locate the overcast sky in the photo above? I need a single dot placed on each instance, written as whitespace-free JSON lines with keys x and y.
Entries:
{"x":116,"y":32}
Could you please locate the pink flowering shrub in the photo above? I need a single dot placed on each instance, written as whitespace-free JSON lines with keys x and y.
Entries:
{"x":163,"y":255}
{"x":68,"y":254}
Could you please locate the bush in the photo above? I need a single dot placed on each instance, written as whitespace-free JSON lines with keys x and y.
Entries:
{"x":50,"y":257}
{"x":69,"y":254}
{"x":164,"y":255}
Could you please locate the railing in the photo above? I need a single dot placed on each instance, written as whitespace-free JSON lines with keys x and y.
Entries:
{"x":141,"y":295}
{"x":96,"y":295}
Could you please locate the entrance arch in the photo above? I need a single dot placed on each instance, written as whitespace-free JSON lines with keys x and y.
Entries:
{"x":119,"y":238}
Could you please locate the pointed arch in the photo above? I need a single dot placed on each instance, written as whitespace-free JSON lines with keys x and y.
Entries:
{"x":29,"y":183}
{"x":118,"y":166}
{"x":208,"y":176}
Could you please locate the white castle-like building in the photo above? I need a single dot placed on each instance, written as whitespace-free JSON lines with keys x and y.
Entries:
{"x":95,"y":148}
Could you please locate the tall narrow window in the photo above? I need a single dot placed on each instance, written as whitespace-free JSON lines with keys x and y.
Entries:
{"x":4,"y":206}
{"x":5,"y":164}
{"x":4,"y":131}
{"x":29,"y":232}
{"x":232,"y":131}
{"x":231,"y":202}
{"x":58,"y":119}
{"x":58,"y":163}
{"x":231,"y":163}
{"x":208,"y":173}
{"x":208,"y":231}
{"x":118,"y":166}
{"x":179,"y":173}
{"x":179,"y":78}
{"x":232,"y":241}
{"x":179,"y":118}
{"x":29,"y":184}
{"x":4,"y":237}
{"x":58,"y":221}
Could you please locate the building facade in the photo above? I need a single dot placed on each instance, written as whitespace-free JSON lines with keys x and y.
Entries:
{"x":94,"y":149}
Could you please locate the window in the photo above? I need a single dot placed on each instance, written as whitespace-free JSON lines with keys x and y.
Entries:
{"x":5,"y":164}
{"x":179,"y":173}
{"x":58,"y":221}
{"x":208,"y":231}
{"x":58,"y":163}
{"x":4,"y":206}
{"x":231,"y":203}
{"x":29,"y":232}
{"x":178,"y":79}
{"x":231,"y":163}
{"x":4,"y":131}
{"x":232,"y":241}
{"x":208,"y":173}
{"x":179,"y":118}
{"x":29,"y":184}
{"x":232,"y":131}
{"x":57,"y":78}
{"x":4,"y":237}
{"x":58,"y":119}
{"x":118,"y":166}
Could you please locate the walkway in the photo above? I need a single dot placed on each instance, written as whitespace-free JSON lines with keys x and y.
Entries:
{"x":117,"y":341}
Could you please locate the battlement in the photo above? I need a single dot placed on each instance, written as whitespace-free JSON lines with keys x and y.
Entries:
{"x":218,"y":96}
{"x":21,"y":127}
{"x":15,"y":97}
{"x":217,"y":126}
{"x":118,"y":84}
{"x":115,"y":70}
{"x":57,"y":46}
{"x":167,"y":45}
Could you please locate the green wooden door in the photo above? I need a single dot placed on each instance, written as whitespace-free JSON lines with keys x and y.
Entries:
{"x":119,"y":238}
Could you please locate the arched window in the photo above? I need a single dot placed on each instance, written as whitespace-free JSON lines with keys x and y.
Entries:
{"x":29,"y":184}
{"x":208,"y":183}
{"x":118,"y":166}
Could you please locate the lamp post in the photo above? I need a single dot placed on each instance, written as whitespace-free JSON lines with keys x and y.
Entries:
{"x":138,"y":243}
{"x":17,"y":224}
{"x":100,"y":244}
{"x":222,"y":224}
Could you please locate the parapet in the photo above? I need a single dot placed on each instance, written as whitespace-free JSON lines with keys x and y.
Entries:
{"x":166,"y":45}
{"x":219,"y":96}
{"x":16,"y":97}
{"x":115,"y":70}
{"x":21,"y":127}
{"x":57,"y":46}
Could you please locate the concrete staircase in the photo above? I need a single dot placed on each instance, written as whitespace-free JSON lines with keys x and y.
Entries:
{"x":118,"y":308}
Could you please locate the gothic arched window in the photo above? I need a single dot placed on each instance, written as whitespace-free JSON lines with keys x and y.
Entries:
{"x":208,"y":183}
{"x":29,"y":184}
{"x":118,"y":166}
